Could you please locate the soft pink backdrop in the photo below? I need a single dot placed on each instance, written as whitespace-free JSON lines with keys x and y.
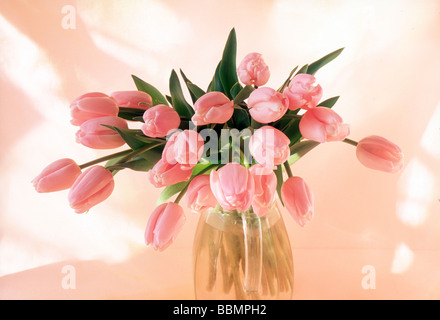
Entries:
{"x":387,"y":77}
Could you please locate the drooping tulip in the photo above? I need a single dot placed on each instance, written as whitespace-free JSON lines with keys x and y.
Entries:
{"x":253,"y":70}
{"x":164,"y":225}
{"x":94,"y":134}
{"x":378,"y":153}
{"x":233,"y":187}
{"x":57,"y":176}
{"x":132,"y":99}
{"x":322,"y":124}
{"x":265,"y":188}
{"x":92,"y":105}
{"x":298,"y":199}
{"x":92,"y":187}
{"x":267,"y":105}
{"x":159,"y":121}
{"x":212,"y":107}
{"x":199,"y":196}
{"x":303,"y":92}
{"x":269,"y":146}
{"x":165,"y":174}
{"x":184,"y":147}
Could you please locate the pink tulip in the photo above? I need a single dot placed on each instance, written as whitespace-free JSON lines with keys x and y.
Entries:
{"x":265,"y":187}
{"x":267,"y":105}
{"x":59,"y":175}
{"x":184,"y":147}
{"x":378,"y":153}
{"x":164,"y":224}
{"x":92,"y":187}
{"x":253,"y":70}
{"x":233,"y":187}
{"x":166,"y":174}
{"x":269,"y":146}
{"x":303,"y":92}
{"x":92,"y":105}
{"x":298,"y":199}
{"x":159,"y":121}
{"x":212,"y":107}
{"x":199,"y":196}
{"x":322,"y":124}
{"x":132,"y":99}
{"x":94,"y":135}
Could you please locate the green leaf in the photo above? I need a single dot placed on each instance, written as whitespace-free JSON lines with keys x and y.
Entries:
{"x":315,"y":66}
{"x":289,"y":78}
{"x":182,"y":107}
{"x":235,"y":90}
{"x":136,"y":164}
{"x":129,"y":136}
{"x":292,"y":131}
{"x":280,"y":181}
{"x":195,"y":91}
{"x":170,"y":191}
{"x":155,"y":94}
{"x":329,"y":102}
{"x":216,"y":83}
{"x":241,"y":119}
{"x":243,"y":94}
{"x":228,"y":68}
{"x":300,"y":149}
{"x":303,"y":69}
{"x":131,"y":114}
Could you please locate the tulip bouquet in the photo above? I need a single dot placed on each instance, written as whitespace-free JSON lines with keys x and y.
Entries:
{"x":231,"y":147}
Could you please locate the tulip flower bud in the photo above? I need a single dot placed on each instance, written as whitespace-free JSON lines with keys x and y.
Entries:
{"x":94,"y":135}
{"x":92,"y":105}
{"x":265,"y":188}
{"x":253,"y":70}
{"x":378,"y":153}
{"x":159,"y":121}
{"x":233,"y":186}
{"x":59,"y":175}
{"x":303,"y":92}
{"x":164,"y":225}
{"x":92,"y":187}
{"x":298,"y":199}
{"x":199,"y":196}
{"x":322,"y":124}
{"x":269,"y":146}
{"x":166,"y":174}
{"x":267,"y":105}
{"x":133,"y":99}
{"x":212,"y":107}
{"x":184,"y":147}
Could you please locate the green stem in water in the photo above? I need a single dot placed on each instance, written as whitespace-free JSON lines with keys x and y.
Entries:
{"x":288,"y":170}
{"x":349,"y":141}
{"x":109,"y":157}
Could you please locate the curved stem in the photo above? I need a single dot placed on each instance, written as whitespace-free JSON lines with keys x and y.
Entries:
{"x":349,"y":141}
{"x":108,"y":157}
{"x":288,"y":169}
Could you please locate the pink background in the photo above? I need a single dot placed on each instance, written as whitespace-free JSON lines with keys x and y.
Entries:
{"x":388,"y":77}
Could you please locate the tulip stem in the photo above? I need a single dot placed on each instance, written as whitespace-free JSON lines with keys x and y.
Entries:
{"x":288,"y":169}
{"x":108,"y":157}
{"x":349,"y":141}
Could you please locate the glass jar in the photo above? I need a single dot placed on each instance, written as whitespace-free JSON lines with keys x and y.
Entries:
{"x":238,"y":255}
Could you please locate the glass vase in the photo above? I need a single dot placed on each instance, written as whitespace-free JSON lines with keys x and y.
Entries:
{"x":240,"y":256}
